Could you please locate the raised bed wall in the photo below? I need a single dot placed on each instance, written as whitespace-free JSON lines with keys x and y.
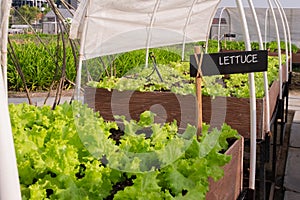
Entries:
{"x":230,"y":186}
{"x":296,"y":58}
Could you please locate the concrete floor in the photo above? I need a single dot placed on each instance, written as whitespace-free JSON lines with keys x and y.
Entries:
{"x":292,"y":170}
{"x":39,"y":101}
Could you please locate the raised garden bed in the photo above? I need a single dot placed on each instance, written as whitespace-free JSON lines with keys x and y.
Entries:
{"x":169,"y":106}
{"x":99,"y":164}
{"x":131,"y":96}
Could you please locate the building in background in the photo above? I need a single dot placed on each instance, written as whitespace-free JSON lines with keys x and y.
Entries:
{"x":50,"y":23}
{"x":45,"y":20}
{"x":36,"y":3}
{"x":42,"y":3}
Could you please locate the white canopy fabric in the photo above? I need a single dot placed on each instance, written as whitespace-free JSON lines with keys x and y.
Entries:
{"x":114,"y":26}
{"x":9,"y":178}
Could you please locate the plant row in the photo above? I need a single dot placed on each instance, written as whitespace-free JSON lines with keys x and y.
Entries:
{"x":175,"y":77}
{"x":42,"y":63}
{"x":72,"y":153}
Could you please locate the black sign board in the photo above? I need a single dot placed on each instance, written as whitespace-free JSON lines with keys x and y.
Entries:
{"x":230,"y":63}
{"x":229,"y":35}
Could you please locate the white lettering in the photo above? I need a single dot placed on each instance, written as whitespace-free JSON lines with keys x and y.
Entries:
{"x":238,"y":59}
{"x":244,"y":61}
{"x":220,"y":61}
{"x":255,"y":58}
{"x":226,"y":60}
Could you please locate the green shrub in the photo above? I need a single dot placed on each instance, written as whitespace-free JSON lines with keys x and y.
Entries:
{"x":38,"y":63}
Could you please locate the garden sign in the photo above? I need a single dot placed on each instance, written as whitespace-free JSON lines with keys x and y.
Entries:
{"x":230,"y":63}
{"x":223,"y":63}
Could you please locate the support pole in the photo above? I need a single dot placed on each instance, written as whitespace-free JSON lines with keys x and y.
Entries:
{"x":188,"y":19}
{"x":266,"y":116}
{"x":78,"y":78}
{"x":149,"y":32}
{"x":280,"y":101}
{"x":9,"y":177}
{"x":285,"y":85}
{"x":290,"y":69}
{"x":289,"y":37}
{"x":252,"y":102}
{"x":285,"y":39}
{"x":265,"y":74}
{"x":219,"y":29}
{"x":81,"y":58}
{"x":278,"y":47}
{"x":266,"y":26}
{"x":198,"y":51}
{"x":4,"y":35}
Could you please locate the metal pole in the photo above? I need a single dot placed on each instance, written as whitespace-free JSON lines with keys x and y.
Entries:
{"x":208,"y":33}
{"x":219,"y":28}
{"x":9,"y":177}
{"x":289,"y":36}
{"x":81,"y":58}
{"x":252,"y":100}
{"x":285,"y":39}
{"x":185,"y":28}
{"x":4,"y":33}
{"x":266,"y":27}
{"x":266,"y":115}
{"x":265,"y":74}
{"x":149,"y":31}
{"x":278,"y":47}
{"x":290,"y":69}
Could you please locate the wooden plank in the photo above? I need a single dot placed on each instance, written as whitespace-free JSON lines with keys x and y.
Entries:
{"x":296,"y":58}
{"x":236,"y":111}
{"x":230,"y":186}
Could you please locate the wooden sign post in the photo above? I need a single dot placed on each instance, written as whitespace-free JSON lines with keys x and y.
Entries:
{"x":197,"y":51}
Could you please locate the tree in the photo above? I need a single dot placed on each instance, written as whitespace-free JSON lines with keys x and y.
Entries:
{"x":28,"y":14}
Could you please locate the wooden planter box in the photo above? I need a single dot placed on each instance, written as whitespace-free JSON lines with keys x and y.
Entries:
{"x":168,"y":106}
{"x":230,"y":186}
{"x":296,"y":58}
{"x":181,"y":108}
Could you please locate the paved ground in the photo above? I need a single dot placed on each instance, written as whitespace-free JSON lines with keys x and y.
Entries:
{"x":38,"y":98}
{"x":39,"y":101}
{"x":292,"y":169}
